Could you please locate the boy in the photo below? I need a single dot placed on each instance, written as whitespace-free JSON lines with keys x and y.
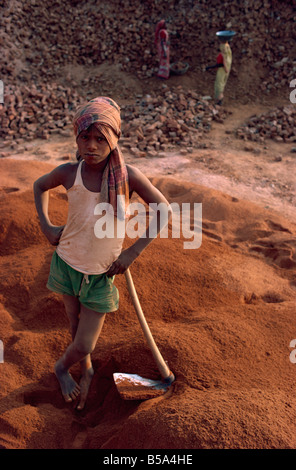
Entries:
{"x":83,"y":266}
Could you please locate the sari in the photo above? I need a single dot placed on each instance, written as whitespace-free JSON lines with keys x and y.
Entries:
{"x":222,"y":76}
{"x":163,"y":50}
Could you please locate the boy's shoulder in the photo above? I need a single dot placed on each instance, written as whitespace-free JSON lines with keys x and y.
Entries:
{"x":136,"y":179}
{"x":67,"y":168}
{"x":65,"y":173}
{"x":134,"y":174}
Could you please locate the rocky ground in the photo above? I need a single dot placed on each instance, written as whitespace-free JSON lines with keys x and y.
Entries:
{"x":55,"y":56}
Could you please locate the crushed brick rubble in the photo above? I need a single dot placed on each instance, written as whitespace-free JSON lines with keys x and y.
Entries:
{"x":278,"y":124}
{"x":49,"y":35}
{"x":153,"y":123}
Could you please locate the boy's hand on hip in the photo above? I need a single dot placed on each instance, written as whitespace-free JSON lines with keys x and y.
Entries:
{"x":53,"y":233}
{"x":122,"y":263}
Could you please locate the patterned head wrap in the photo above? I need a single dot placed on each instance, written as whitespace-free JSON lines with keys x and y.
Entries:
{"x":104,"y":113}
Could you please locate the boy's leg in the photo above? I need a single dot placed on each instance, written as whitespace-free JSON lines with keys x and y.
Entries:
{"x":70,"y":389}
{"x":72,"y":307}
{"x":87,"y":333}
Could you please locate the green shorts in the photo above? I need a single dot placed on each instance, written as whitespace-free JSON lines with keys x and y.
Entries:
{"x":95,"y":291}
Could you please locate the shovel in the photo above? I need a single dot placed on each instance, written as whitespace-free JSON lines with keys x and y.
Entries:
{"x":133,"y":386}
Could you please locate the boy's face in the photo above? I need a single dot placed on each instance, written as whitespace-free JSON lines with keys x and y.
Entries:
{"x":92,"y":146}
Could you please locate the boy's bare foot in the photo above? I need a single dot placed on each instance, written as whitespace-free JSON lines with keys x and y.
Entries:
{"x":84,"y":386}
{"x":70,"y":389}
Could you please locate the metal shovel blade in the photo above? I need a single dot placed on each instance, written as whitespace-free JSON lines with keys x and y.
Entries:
{"x":135,"y":387}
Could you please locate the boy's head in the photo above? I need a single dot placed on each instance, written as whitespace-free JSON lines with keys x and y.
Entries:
{"x":104,"y":113}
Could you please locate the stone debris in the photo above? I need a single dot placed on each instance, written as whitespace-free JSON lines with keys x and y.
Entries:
{"x":159,"y":122}
{"x":153,"y":123}
{"x":37,"y":112}
{"x":278,"y":125}
{"x":39,"y":39}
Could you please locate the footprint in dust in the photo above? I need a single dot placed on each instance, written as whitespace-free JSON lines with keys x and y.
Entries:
{"x":36,"y":397}
{"x":278,"y":227}
{"x":268,"y":298}
{"x":8,"y":189}
{"x":272,"y":298}
{"x":281,"y":253}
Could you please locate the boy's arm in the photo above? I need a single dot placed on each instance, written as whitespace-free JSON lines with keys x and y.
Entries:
{"x":41,"y":195}
{"x":139,"y":183}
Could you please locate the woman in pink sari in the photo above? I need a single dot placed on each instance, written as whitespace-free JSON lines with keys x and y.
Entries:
{"x":163,"y":50}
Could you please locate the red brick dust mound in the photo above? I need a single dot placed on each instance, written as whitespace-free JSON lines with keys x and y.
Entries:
{"x":222,"y":316}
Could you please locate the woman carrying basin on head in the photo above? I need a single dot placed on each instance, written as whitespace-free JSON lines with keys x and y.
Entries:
{"x":224,"y":59}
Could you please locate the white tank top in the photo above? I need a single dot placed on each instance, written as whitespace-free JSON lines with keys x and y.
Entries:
{"x":79,"y":245}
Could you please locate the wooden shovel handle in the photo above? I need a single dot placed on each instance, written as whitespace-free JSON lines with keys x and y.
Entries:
{"x":162,"y":366}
